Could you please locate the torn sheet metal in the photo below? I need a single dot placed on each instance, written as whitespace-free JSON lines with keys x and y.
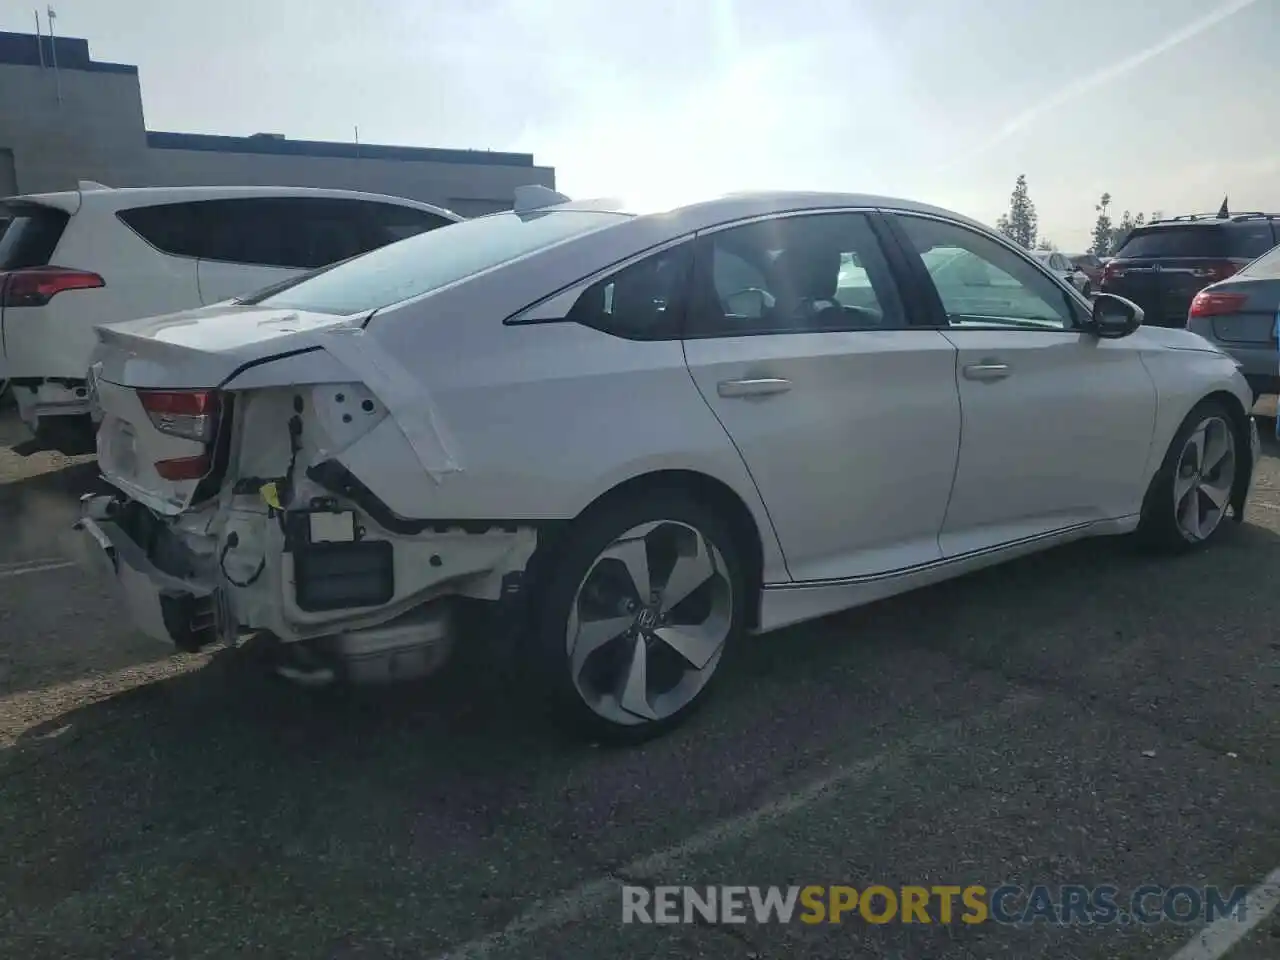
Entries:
{"x":408,"y":402}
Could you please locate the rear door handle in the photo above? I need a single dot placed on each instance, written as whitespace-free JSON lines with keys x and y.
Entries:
{"x":763,"y":387}
{"x":986,"y":371}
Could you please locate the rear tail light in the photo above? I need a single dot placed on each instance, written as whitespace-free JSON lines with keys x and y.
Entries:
{"x":36,"y":286}
{"x":1208,"y":303}
{"x":189,"y":414}
{"x":1111,"y":271}
{"x":1218,"y":270}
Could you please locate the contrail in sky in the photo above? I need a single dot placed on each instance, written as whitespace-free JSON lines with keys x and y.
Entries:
{"x":1104,"y":76}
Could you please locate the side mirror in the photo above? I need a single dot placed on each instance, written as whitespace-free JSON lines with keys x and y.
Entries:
{"x":1114,"y":317}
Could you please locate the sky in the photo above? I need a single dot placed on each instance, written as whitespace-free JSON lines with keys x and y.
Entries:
{"x":1167,"y":105}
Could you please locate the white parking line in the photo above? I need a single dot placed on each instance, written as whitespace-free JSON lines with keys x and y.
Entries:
{"x":595,"y":894}
{"x":1224,"y":933}
{"x":32,"y":566}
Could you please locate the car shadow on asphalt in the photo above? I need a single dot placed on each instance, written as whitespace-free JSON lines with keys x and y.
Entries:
{"x":36,"y":511}
{"x":473,"y":715}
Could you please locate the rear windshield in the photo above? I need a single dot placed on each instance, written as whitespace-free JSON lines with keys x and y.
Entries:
{"x":1199,"y":240}
{"x":1266,"y":267}
{"x":429,"y":261}
{"x":31,"y":237}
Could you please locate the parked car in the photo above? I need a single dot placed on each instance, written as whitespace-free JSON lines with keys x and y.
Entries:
{"x":1061,"y":265}
{"x":639,"y":437}
{"x":1241,"y":316}
{"x":1090,"y":265}
{"x":92,"y":255}
{"x":1161,"y":266}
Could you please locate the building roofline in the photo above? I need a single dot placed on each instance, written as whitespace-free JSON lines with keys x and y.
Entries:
{"x":279,"y":146}
{"x":26,"y":50}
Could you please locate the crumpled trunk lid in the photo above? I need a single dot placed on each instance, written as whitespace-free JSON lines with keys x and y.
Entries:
{"x":190,"y":353}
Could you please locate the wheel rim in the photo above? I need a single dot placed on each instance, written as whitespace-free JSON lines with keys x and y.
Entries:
{"x":1204,"y":477}
{"x":648,"y":623}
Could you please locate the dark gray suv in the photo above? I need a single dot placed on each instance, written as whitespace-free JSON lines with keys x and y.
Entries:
{"x":1239,"y":315}
{"x":1162,"y":265}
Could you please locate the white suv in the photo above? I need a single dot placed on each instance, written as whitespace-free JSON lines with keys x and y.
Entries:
{"x":71,"y":260}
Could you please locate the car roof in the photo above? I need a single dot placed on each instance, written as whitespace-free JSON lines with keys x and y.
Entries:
{"x":121,"y":198}
{"x":729,"y":207}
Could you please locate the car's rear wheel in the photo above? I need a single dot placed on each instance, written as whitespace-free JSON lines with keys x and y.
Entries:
{"x":1191,"y":493}
{"x":635,"y":613}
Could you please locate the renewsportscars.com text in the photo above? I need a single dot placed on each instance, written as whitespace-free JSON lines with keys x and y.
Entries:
{"x":971,"y":904}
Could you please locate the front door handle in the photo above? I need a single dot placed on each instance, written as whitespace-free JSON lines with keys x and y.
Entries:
{"x":763,"y":387}
{"x":986,"y":371}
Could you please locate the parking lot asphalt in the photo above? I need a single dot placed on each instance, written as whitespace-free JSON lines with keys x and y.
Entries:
{"x":1093,"y":715}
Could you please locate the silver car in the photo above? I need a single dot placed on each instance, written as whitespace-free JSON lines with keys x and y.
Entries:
{"x":1239,"y":315}
{"x":1060,"y":264}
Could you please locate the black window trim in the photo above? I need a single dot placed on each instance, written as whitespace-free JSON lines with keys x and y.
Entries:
{"x":366,"y":224}
{"x":934,"y":314}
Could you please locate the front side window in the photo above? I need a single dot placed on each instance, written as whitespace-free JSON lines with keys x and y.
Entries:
{"x":431,"y":260}
{"x":981,"y":283}
{"x":801,"y":274}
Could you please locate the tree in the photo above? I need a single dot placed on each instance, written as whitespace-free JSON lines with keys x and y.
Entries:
{"x":1044,"y":243}
{"x":1126,"y":226}
{"x":1020,"y":223}
{"x":1102,"y":231}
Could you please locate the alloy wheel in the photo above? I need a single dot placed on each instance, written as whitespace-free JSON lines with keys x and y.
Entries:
{"x":649,"y":622}
{"x":1203,"y":479}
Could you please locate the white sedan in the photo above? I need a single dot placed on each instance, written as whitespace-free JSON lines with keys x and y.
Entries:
{"x":639,"y":437}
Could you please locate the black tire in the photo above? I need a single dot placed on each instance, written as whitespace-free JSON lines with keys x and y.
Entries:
{"x":1087,"y":289}
{"x":556,"y":585}
{"x":1159,"y":528}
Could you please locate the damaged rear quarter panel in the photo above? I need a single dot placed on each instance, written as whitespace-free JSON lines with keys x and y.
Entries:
{"x":334,"y":418}
{"x":520,"y":423}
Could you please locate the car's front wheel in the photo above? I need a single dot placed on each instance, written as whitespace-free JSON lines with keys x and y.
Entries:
{"x":1190,"y":494}
{"x":635,"y":612}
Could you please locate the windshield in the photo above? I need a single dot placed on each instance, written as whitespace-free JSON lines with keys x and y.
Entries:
{"x":429,"y":261}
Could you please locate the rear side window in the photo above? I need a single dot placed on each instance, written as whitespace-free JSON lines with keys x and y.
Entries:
{"x":301,"y":233}
{"x":1248,"y":239}
{"x":32,"y":236}
{"x":432,"y":260}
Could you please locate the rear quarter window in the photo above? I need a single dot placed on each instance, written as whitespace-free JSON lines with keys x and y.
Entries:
{"x":32,"y":236}
{"x":169,"y":227}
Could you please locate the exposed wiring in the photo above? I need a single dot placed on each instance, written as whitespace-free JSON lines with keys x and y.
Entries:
{"x":233,"y":540}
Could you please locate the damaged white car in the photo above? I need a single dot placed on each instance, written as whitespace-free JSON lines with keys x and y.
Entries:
{"x":640,"y":437}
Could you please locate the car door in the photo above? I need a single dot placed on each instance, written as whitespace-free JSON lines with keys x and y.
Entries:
{"x":1057,"y":423}
{"x":847,"y":418}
